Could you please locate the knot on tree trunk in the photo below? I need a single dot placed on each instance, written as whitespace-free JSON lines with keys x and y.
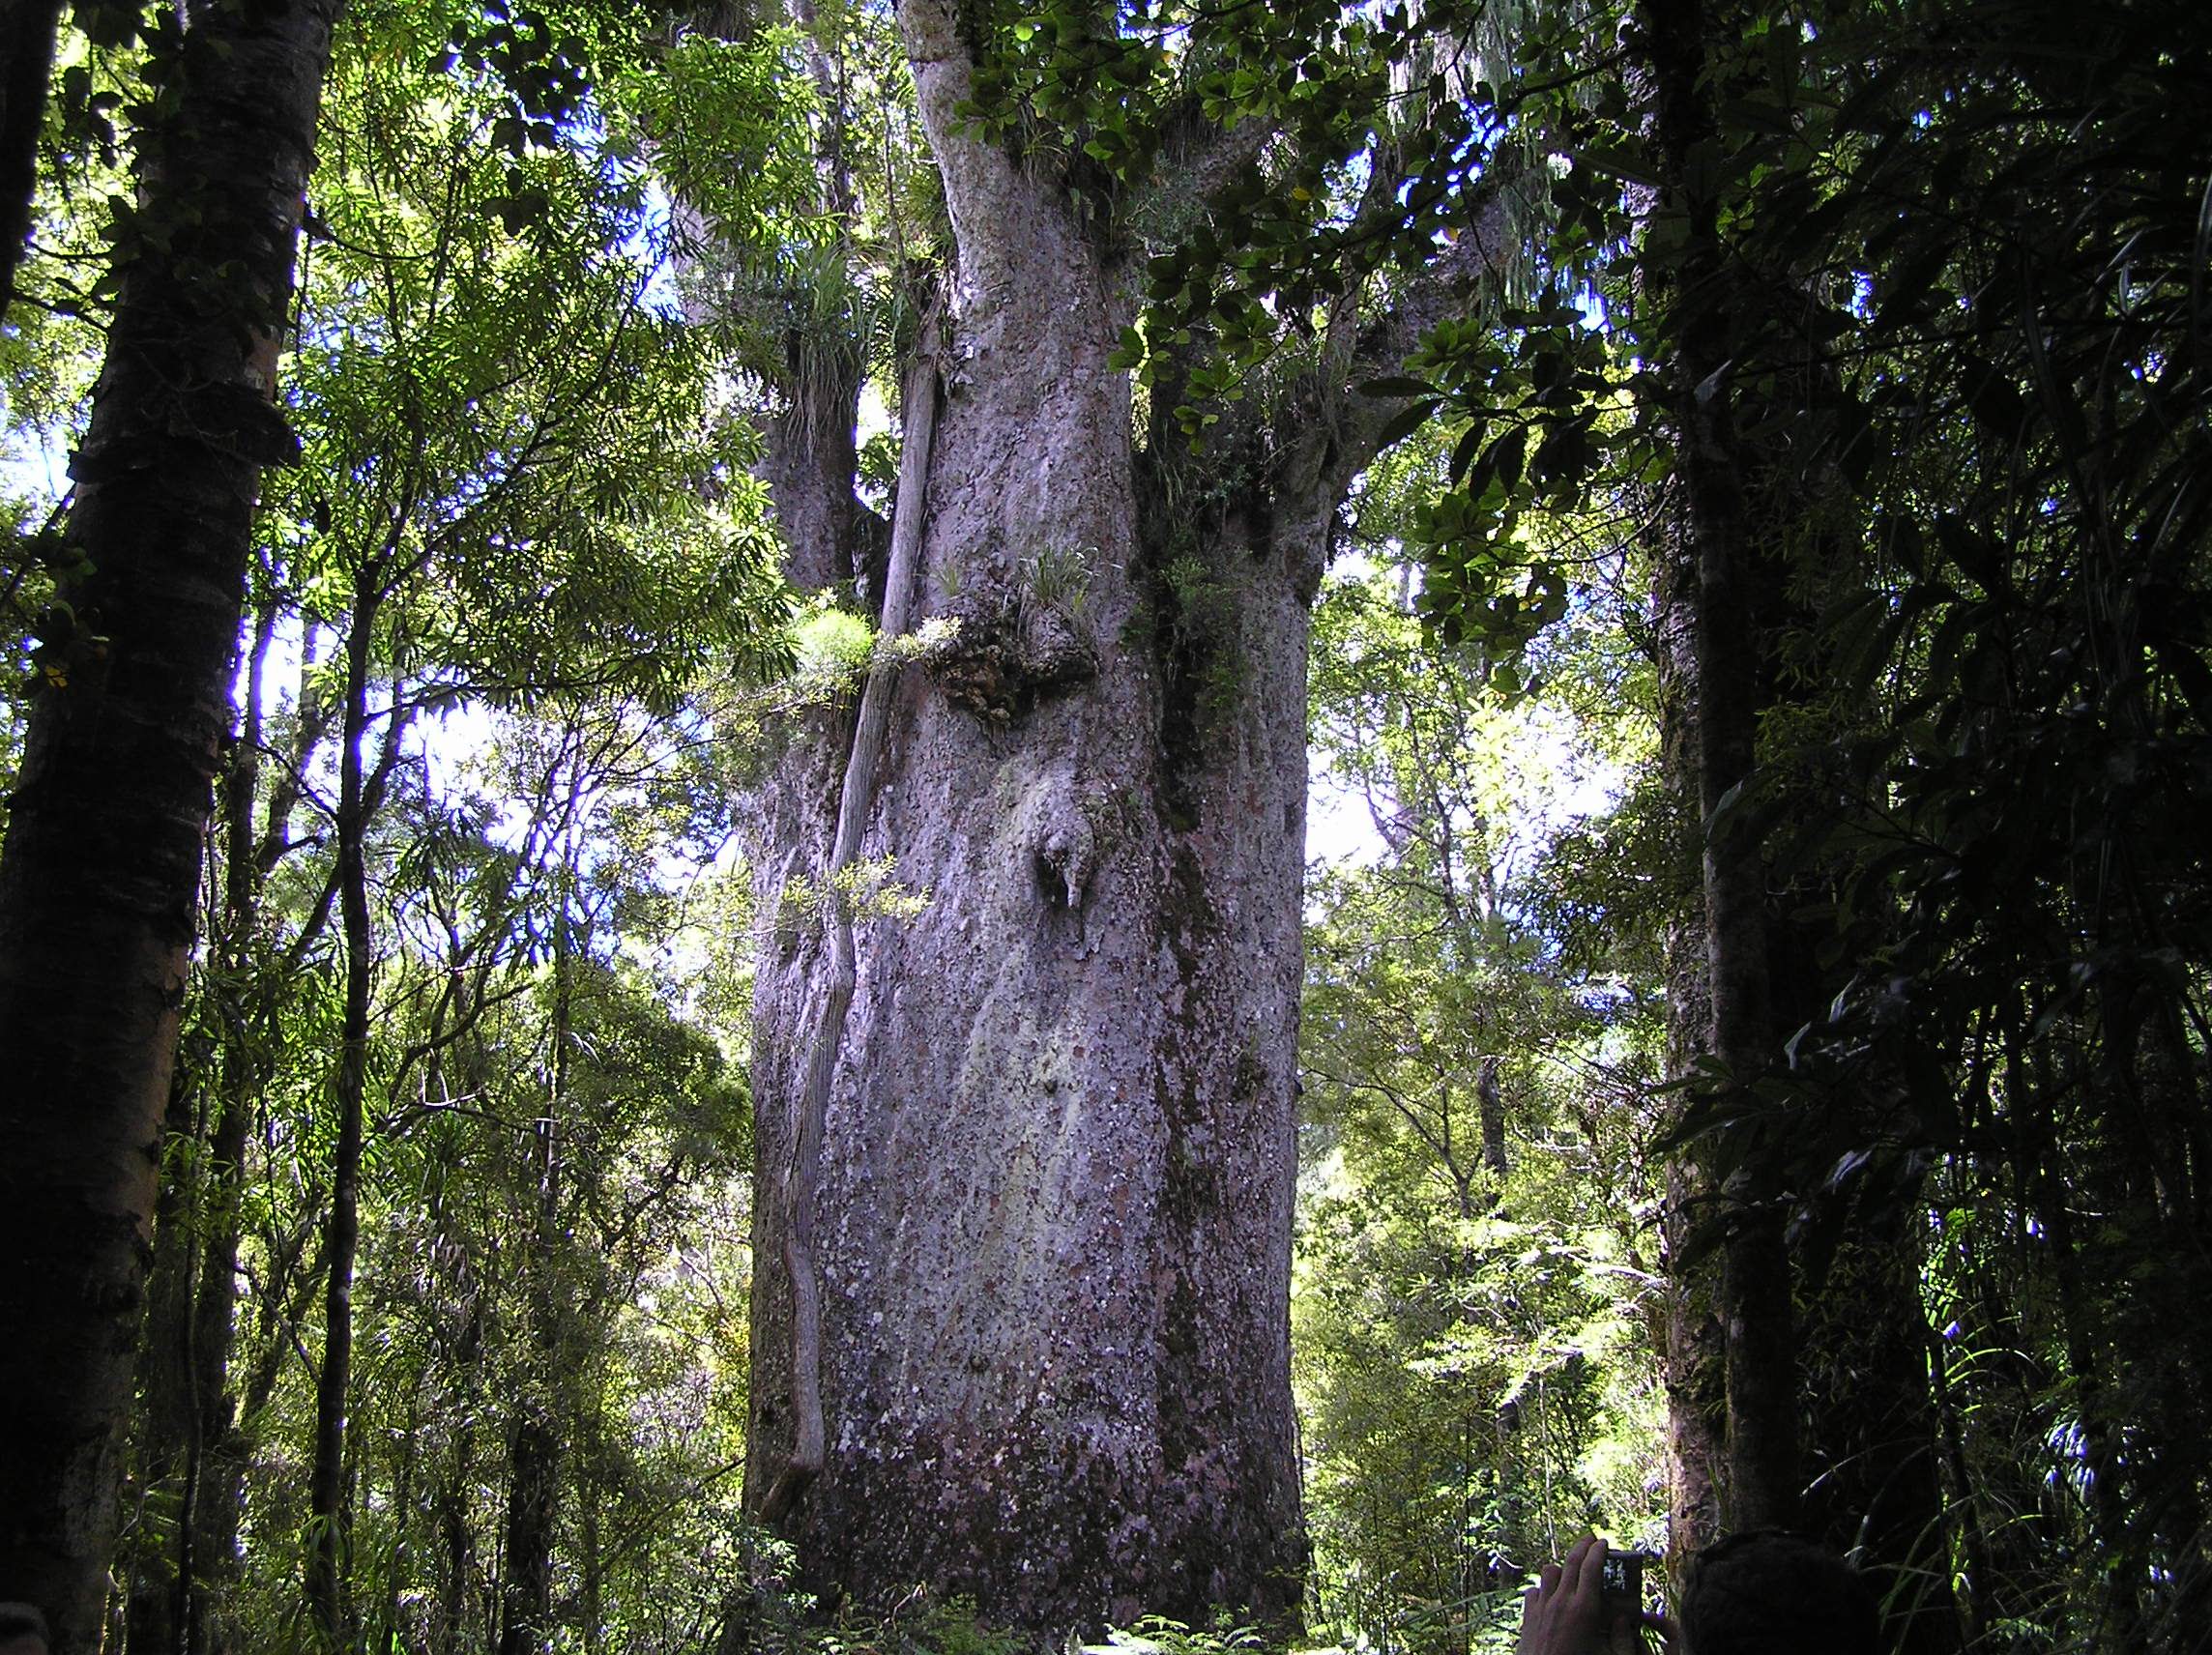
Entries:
{"x":1000,"y":658}
{"x":1056,"y":825}
{"x":1065,"y":855}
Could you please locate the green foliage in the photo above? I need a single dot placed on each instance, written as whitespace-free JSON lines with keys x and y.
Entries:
{"x":518,"y":425}
{"x":728,"y":125}
{"x":553,"y":1210}
{"x":834,"y":645}
{"x":1059,"y":578}
{"x":523,"y":534}
{"x":1961,"y":342}
{"x":1157,"y":1635}
{"x":1470,"y":1337}
{"x":1944,"y":294}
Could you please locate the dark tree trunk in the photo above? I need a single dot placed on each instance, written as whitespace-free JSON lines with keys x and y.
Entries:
{"x":216,"y":1484}
{"x":27,"y":29}
{"x":458,"y":1564}
{"x":329,"y":1559}
{"x":1848,"y":1395}
{"x":1490,"y":1099}
{"x":534,"y":1467}
{"x":214,"y":1488}
{"x":109,"y":816}
{"x":1694,"y":1363}
{"x":184,"y":1542}
{"x":1871,"y":1434}
{"x":526,"y":1585}
{"x":153,"y":1608}
{"x":1755,"y":1305}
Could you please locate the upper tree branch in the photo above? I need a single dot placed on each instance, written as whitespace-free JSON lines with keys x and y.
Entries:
{"x":1338,"y":429}
{"x":980,"y":179}
{"x":1200,"y":158}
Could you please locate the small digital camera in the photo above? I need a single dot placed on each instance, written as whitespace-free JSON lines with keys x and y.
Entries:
{"x":1624,"y":1583}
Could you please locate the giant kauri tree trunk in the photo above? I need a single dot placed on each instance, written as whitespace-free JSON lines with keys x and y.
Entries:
{"x":1020,"y":1318}
{"x":107,"y":825}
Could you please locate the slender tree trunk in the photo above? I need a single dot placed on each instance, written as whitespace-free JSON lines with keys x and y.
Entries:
{"x":1873,"y":1438}
{"x":108,"y":818}
{"x":217,"y":1468}
{"x":1490,"y":1099}
{"x":535,"y":1469}
{"x":328,"y":1559}
{"x":216,"y":1483}
{"x":591,"y":1564}
{"x":155,"y":1582}
{"x":526,"y":1580}
{"x":387,"y":1634}
{"x":460,"y":1561}
{"x":185,"y":1415}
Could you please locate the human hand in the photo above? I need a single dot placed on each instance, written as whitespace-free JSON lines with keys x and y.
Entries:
{"x":1565,"y":1613}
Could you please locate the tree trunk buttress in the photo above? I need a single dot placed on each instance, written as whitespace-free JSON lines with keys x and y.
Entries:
{"x":105,"y":833}
{"x":1054,"y":1199}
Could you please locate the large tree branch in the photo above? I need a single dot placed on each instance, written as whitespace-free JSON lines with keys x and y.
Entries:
{"x":1340,"y":426}
{"x":980,"y":179}
{"x":1199,"y":157}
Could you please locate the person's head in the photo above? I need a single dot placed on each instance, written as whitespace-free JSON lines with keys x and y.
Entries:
{"x":22,"y":1629}
{"x":1764,"y":1592}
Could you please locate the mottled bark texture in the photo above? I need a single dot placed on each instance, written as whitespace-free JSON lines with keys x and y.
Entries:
{"x":105,"y":834}
{"x":1053,"y":1215}
{"x":1053,"y":1204}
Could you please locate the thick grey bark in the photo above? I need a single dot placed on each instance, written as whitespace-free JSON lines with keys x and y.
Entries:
{"x":1054,"y":1201}
{"x":802,"y":1182}
{"x":1051,"y":1206}
{"x":1051,"y":1202}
